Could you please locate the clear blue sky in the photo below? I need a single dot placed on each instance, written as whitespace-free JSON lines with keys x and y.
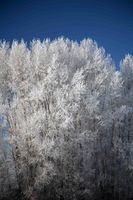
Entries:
{"x":109,"y":22}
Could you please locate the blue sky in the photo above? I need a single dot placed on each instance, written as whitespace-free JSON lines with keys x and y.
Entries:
{"x":108,"y":22}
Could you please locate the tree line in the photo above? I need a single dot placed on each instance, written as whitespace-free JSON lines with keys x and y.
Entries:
{"x":67,"y":114}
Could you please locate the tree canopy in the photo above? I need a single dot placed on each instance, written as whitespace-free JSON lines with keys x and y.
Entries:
{"x":68,"y":114}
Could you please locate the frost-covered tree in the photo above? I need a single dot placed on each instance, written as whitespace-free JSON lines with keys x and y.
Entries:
{"x":66,"y":106}
{"x":126,"y":68}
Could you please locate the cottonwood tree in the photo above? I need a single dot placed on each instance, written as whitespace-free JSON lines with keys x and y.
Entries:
{"x":66,"y":111}
{"x":126,"y":68}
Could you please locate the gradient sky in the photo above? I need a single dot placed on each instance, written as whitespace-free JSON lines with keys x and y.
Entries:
{"x":108,"y":22}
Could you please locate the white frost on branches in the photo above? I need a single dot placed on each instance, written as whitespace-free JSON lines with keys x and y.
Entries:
{"x":66,"y":107}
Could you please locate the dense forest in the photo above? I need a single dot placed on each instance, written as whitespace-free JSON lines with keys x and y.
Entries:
{"x":66,"y":122}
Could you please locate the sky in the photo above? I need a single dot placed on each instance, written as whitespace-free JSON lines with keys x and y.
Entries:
{"x":108,"y":22}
